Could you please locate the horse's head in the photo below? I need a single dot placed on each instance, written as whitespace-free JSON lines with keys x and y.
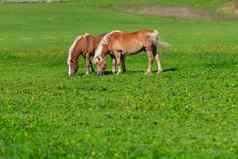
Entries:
{"x":101,"y":65}
{"x":73,"y":68}
{"x":100,"y":58}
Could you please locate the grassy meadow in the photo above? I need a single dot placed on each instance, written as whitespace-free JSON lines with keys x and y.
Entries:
{"x":189,"y":112}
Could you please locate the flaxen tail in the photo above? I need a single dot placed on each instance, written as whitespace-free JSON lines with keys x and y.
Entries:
{"x":157,"y":41}
{"x":162,"y":44}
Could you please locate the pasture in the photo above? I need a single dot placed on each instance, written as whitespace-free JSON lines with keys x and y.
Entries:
{"x":190,"y":111}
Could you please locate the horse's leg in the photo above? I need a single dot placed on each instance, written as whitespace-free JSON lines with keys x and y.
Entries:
{"x":87,"y":64}
{"x":91,"y":64}
{"x":150,"y":57}
{"x":157,"y":57}
{"x":123,"y":56}
{"x":114,"y":64}
{"x":118,"y":62}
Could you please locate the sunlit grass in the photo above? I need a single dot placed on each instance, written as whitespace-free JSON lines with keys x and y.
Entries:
{"x":189,"y":111}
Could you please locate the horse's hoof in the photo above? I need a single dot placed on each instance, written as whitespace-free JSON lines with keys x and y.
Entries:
{"x":114,"y":71}
{"x":99,"y":74}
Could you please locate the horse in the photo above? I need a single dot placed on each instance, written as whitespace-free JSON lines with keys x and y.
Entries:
{"x":120,"y":43}
{"x":84,"y":45}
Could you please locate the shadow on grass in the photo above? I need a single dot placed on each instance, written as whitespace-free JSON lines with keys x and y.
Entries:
{"x":172,"y":69}
{"x":143,"y":71}
{"x":109,"y":73}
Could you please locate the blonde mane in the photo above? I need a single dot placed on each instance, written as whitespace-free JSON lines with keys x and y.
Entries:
{"x":103,"y":41}
{"x":86,"y":34}
{"x":72,"y":48}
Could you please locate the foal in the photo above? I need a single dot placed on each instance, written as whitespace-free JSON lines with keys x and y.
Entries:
{"x":84,"y":45}
{"x":126,"y":43}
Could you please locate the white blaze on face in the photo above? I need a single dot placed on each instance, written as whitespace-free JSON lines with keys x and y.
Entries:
{"x":98,"y":51}
{"x":70,"y":72}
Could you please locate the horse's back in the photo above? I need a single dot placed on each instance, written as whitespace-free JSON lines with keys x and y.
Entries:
{"x":90,"y":44}
{"x":132,"y":42}
{"x":128,"y":42}
{"x":81,"y":44}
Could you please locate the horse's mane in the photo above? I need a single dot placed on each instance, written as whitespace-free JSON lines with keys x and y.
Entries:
{"x":103,"y":41}
{"x":71,"y":49}
{"x":103,"y":34}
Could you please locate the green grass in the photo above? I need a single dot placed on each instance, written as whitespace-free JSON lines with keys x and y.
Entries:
{"x":190,"y":111}
{"x":193,"y":3}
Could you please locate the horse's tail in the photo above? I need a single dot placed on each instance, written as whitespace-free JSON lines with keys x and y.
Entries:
{"x":157,"y":41}
{"x":71,"y":49}
{"x":162,"y":44}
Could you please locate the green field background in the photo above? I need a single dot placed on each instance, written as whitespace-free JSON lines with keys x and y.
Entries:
{"x":189,"y":111}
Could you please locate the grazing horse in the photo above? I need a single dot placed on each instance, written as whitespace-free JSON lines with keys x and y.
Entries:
{"x":120,"y":43}
{"x":84,"y":45}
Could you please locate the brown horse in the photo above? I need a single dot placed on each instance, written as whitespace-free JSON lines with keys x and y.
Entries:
{"x":84,"y":45}
{"x":120,"y":43}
